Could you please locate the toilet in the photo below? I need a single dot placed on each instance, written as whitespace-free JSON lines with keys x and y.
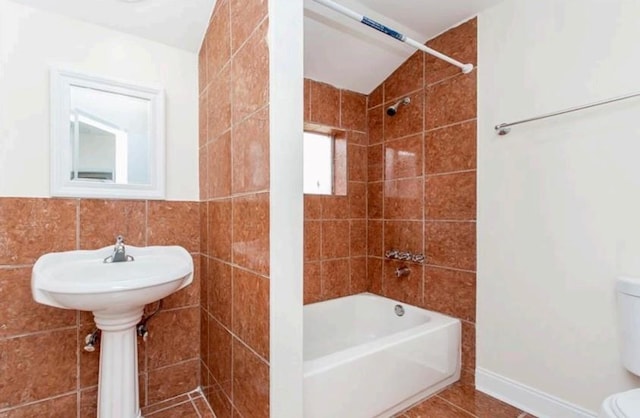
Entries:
{"x":627,"y":404}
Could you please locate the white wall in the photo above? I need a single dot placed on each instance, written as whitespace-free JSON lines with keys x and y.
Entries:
{"x":32,"y":40}
{"x":558,"y":200}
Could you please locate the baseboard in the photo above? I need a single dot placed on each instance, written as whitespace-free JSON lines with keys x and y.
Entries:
{"x":526,"y":398}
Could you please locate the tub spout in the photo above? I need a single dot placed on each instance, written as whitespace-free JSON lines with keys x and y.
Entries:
{"x":403,"y":271}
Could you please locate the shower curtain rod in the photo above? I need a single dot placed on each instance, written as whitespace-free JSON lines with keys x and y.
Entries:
{"x":466,"y":68}
{"x":505,"y":128}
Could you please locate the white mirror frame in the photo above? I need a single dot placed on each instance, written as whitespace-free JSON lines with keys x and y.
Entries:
{"x":61,"y":154}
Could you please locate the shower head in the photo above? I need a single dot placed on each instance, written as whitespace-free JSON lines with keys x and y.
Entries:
{"x":392,"y":110}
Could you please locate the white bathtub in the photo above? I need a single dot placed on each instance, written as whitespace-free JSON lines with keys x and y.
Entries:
{"x":361,"y":360}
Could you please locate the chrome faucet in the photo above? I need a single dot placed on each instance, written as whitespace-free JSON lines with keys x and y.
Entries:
{"x":119,"y":255}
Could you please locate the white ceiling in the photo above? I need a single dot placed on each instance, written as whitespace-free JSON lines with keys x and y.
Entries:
{"x":178,"y":23}
{"x":338,"y":50}
{"x":348,"y":54}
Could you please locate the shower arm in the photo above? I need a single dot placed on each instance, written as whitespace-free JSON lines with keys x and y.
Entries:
{"x":466,"y":68}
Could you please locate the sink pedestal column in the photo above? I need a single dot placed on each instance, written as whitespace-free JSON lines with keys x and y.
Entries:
{"x":118,"y":384}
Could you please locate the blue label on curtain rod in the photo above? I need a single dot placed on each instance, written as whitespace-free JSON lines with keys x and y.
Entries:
{"x":382,"y":28}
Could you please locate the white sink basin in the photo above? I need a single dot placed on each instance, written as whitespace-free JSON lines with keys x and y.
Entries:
{"x":81,"y":280}
{"x":116,"y":294}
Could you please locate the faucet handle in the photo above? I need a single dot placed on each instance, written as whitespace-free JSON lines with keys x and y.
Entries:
{"x":119,"y":239}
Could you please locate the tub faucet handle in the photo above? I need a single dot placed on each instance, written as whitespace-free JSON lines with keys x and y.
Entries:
{"x":391,"y":254}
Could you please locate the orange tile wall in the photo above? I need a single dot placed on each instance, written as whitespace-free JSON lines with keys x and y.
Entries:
{"x":234,"y":189}
{"x":43,"y":368}
{"x":335,"y":227}
{"x":422,"y":183}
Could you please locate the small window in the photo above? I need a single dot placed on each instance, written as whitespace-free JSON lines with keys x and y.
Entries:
{"x":318,"y":163}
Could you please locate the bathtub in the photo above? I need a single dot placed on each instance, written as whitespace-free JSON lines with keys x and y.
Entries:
{"x":362,"y":360}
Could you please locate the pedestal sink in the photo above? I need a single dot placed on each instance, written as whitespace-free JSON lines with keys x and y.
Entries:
{"x":116,"y":293}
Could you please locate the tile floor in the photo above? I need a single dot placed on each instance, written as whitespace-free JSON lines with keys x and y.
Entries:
{"x":188,"y":405}
{"x":460,"y":400}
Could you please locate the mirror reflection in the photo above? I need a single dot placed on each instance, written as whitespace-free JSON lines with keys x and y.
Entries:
{"x":109,"y":135}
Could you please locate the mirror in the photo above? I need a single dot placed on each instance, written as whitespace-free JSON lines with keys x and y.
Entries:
{"x":107,"y":138}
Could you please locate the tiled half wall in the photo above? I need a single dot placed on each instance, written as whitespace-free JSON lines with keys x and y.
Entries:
{"x":43,"y":367}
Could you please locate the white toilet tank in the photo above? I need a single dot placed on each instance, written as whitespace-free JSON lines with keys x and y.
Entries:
{"x":628,"y":289}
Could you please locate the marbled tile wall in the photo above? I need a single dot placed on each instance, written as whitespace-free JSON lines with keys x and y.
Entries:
{"x":335,"y":227}
{"x":234,"y":189}
{"x":422,"y":183}
{"x":44,"y":370}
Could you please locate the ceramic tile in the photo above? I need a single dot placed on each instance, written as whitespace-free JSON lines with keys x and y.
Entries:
{"x":172,"y":337}
{"x":451,"y":149}
{"x":358,"y":234}
{"x":312,"y":207}
{"x":451,"y":196}
{"x":405,"y":289}
{"x":335,"y":239}
{"x":436,"y":407}
{"x":403,"y":158}
{"x":204,"y":228}
{"x":61,"y":407}
{"x":20,"y":313}
{"x":219,"y":355}
{"x":312,"y":240}
{"x":30,"y":228}
{"x":403,"y":199}
{"x":375,"y":125}
{"x":190,"y":295}
{"x":375,"y":274}
{"x":205,"y":359}
{"x":325,"y":104}
{"x":340,"y":166}
{"x":173,"y":380}
{"x":250,"y":383}
{"x":219,"y":285}
{"x":376,"y":96}
{"x":375,"y":163}
{"x":203,"y":181}
{"x":250,"y":150}
{"x":403,"y":236}
{"x":250,"y":69}
{"x":203,"y":118}
{"x":312,"y":282}
{"x":56,"y":356}
{"x":357,"y":200}
{"x":219,"y":104}
{"x":375,"y":199}
{"x":335,"y":207}
{"x":375,"y":238}
{"x":468,"y":346}
{"x":251,"y":232}
{"x":353,"y":111}
{"x":450,"y":292}
{"x":407,"y":78}
{"x":183,"y":410}
{"x":408,"y":120}
{"x":174,"y":223}
{"x":101,"y":221}
{"x":335,"y":278}
{"x":357,"y":158}
{"x":358,"y":138}
{"x":451,"y":101}
{"x":202,"y":66}
{"x":307,"y":100}
{"x":203,"y":408}
{"x":166,"y":404}
{"x":90,"y":361}
{"x":251,"y":310}
{"x":451,"y":244}
{"x":359,"y":279}
{"x":459,"y":43}
{"x":219,"y":229}
{"x":477,"y":403}
{"x":220,"y":403}
{"x":219,"y":166}
{"x":89,"y":403}
{"x":218,"y":39}
{"x":245,"y":17}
